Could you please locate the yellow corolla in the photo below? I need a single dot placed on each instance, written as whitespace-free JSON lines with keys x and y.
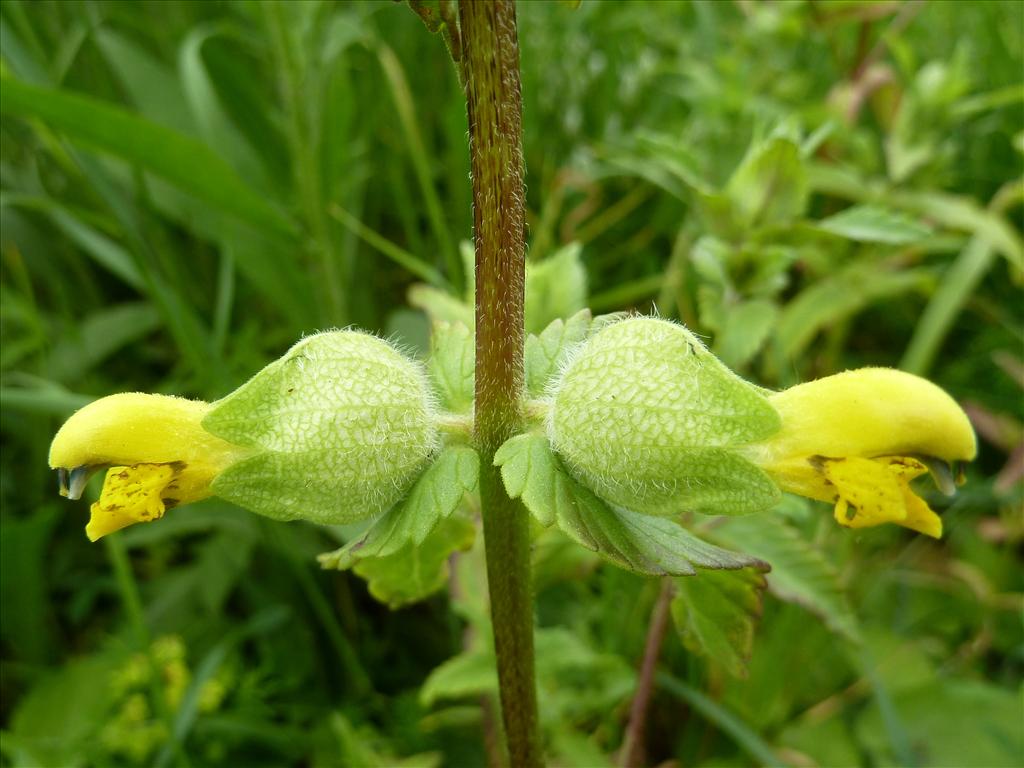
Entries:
{"x":155,"y":451}
{"x":858,"y":438}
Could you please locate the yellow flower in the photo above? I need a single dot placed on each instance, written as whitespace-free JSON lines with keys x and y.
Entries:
{"x":155,"y":451}
{"x":858,"y":438}
{"x":335,"y":431}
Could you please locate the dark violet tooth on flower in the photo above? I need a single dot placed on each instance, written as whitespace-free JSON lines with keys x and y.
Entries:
{"x":942,"y":474}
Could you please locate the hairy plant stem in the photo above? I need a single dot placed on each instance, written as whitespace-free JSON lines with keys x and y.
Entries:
{"x":632,"y":754}
{"x":490,"y":68}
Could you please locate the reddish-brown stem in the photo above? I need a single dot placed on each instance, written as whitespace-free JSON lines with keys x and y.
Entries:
{"x":490,"y":70}
{"x":632,"y":754}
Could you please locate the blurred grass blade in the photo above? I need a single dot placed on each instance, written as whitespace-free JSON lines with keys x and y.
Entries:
{"x":98,"y":336}
{"x":16,"y":53}
{"x":833,"y":299}
{"x":102,"y":249}
{"x":989,"y":100}
{"x":741,"y":733}
{"x":179,"y":317}
{"x":420,"y":160}
{"x":875,"y":224}
{"x":398,"y":255}
{"x":183,"y":161}
{"x":150,"y":85}
{"x":225,"y":299}
{"x":263,"y":622}
{"x":31,"y":394}
{"x":964,"y":213}
{"x":216,"y":127}
{"x":899,"y":739}
{"x":957,"y":286}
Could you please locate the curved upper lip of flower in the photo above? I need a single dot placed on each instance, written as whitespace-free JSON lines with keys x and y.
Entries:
{"x":135,"y":430}
{"x":859,"y":437}
{"x":870,"y":412}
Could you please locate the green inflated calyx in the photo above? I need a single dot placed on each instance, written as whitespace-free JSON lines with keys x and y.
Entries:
{"x":650,"y":420}
{"x":340,"y":428}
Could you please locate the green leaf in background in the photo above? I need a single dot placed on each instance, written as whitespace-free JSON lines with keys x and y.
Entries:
{"x":951,"y":722}
{"x":745,"y":328}
{"x":654,"y":546}
{"x":799,"y":572}
{"x":770,"y":186}
{"x":451,"y":365}
{"x":185,"y":162}
{"x":828,"y":741}
{"x":956,"y":286}
{"x":471,"y":673}
{"x":104,"y":251}
{"x":546,"y":352}
{"x":833,"y":299}
{"x":662,"y":160}
{"x":151,"y":86}
{"x":420,"y":570}
{"x":100,"y":335}
{"x":575,"y":682}
{"x":28,"y":627}
{"x":59,"y":720}
{"x":716,"y":614}
{"x":635,"y":117}
{"x":555,"y":288}
{"x":710,"y":257}
{"x":41,"y":396}
{"x":441,"y":306}
{"x":363,"y":746}
{"x":215,"y":125}
{"x":956,"y":212}
{"x":434,"y":498}
{"x":874,"y":224}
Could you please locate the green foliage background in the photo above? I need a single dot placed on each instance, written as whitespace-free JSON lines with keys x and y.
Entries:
{"x":186,"y":188}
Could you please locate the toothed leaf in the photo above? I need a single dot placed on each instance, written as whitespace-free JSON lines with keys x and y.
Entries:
{"x":716,"y":614}
{"x":547,"y":352}
{"x":451,"y":365}
{"x":434,"y":497}
{"x":641,"y":543}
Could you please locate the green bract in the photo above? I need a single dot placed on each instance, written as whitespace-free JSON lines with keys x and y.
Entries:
{"x":340,"y":426}
{"x":649,"y":419}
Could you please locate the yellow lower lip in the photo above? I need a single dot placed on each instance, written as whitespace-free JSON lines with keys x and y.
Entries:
{"x":130,"y":495}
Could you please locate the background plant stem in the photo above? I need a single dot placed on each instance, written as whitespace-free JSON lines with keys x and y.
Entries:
{"x":494,"y":108}
{"x":632,"y":755}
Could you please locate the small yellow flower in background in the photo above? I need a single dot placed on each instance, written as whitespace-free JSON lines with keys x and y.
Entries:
{"x":858,"y":438}
{"x":155,"y":451}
